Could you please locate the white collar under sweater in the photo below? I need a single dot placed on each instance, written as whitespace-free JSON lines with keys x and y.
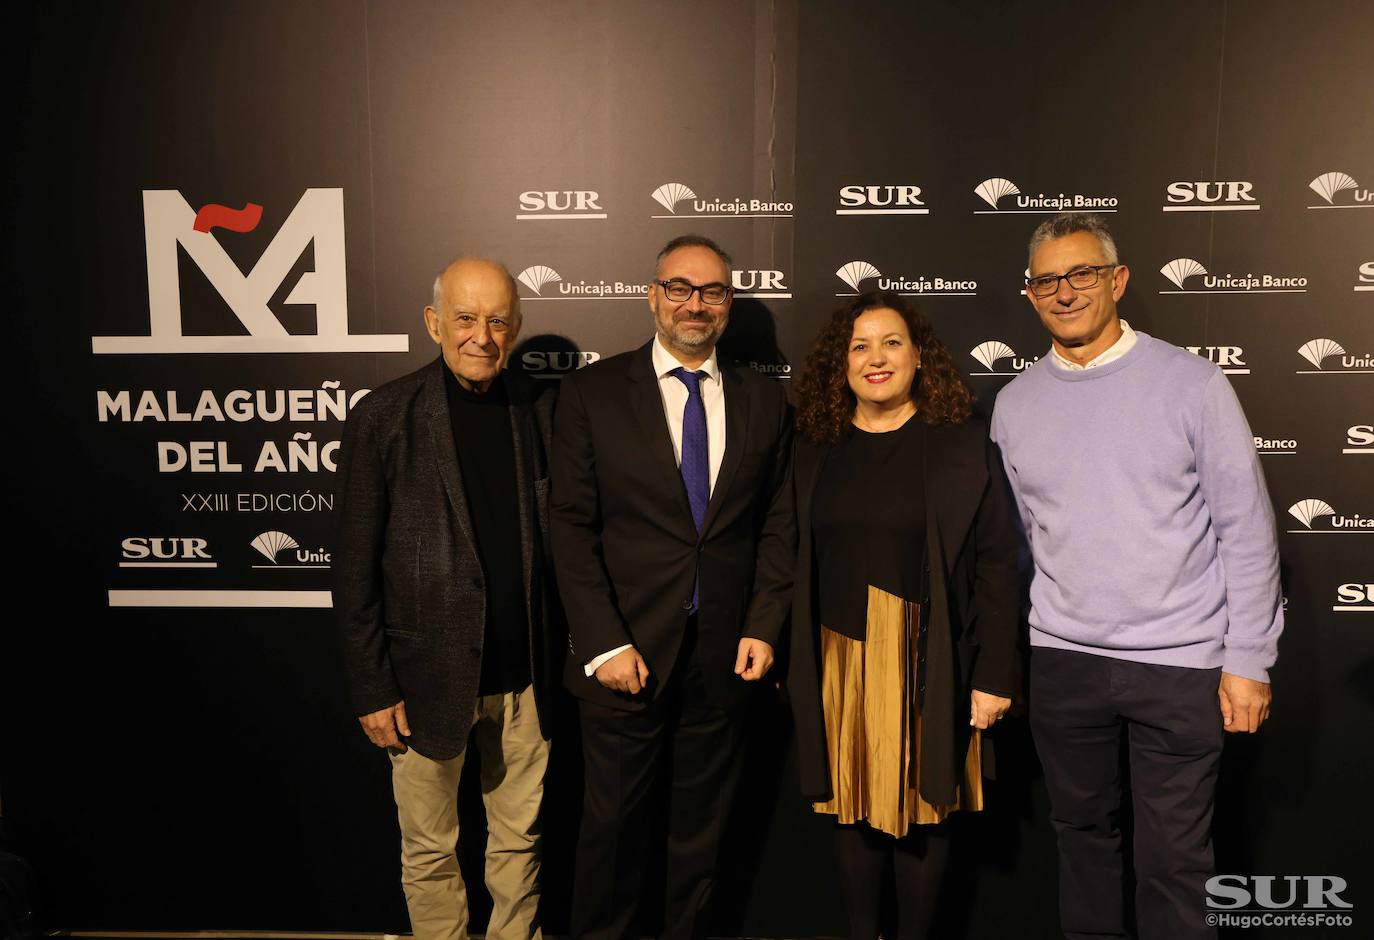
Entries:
{"x":1113,"y":352}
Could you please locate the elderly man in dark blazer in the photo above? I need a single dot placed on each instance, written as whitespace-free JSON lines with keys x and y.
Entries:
{"x":444,"y":602}
{"x":673,"y":543}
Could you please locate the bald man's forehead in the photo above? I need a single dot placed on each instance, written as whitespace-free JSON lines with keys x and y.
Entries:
{"x":479,"y":283}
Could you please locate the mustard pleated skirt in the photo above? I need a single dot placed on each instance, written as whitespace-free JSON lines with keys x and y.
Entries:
{"x":872,"y":714}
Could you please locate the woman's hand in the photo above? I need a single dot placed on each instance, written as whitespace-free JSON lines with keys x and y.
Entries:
{"x":985,"y":709}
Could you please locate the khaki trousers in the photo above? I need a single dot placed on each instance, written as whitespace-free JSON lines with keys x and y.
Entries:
{"x":512,"y":756}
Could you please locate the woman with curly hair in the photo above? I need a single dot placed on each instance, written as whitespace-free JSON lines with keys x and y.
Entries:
{"x":906,"y":607}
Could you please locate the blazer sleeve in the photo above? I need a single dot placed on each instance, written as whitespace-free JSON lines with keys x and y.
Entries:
{"x":997,"y":586}
{"x":595,"y":624}
{"x":776,"y":553}
{"x":362,"y":507}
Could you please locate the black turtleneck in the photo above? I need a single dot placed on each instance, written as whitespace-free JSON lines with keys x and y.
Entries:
{"x":486,"y":455}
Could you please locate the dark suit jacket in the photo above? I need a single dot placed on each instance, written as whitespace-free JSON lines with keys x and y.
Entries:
{"x":408,"y":583}
{"x":625,"y":547}
{"x":972,"y":620}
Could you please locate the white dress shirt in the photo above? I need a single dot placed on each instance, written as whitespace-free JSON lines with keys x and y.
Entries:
{"x":1115,"y":351}
{"x":674,"y":394}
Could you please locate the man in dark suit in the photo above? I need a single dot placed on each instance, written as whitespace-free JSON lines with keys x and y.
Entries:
{"x":673,"y":539}
{"x":443,"y":600}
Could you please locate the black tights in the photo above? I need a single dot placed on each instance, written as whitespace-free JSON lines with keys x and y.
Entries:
{"x":918,"y":864}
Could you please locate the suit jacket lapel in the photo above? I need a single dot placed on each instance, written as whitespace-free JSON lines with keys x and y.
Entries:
{"x":445,"y":453}
{"x":647,"y":403}
{"x":736,"y":433}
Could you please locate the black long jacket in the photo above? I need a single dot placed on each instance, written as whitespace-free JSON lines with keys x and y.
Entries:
{"x":972,"y":619}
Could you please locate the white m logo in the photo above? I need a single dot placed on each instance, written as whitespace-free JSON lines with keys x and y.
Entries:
{"x":169,"y":221}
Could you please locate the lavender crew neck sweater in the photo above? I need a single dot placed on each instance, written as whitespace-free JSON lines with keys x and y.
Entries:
{"x":1145,"y":507}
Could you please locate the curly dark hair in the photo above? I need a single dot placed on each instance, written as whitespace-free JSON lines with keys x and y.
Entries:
{"x":825,"y":403}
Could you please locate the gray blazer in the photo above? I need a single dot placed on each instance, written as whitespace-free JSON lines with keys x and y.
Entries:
{"x":408,"y":584}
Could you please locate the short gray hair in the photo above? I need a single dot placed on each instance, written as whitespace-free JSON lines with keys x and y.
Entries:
{"x":693,"y":241}
{"x":437,"y":292}
{"x":1071,"y":223}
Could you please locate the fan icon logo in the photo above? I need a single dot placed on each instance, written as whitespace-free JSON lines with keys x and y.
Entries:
{"x":1178,"y":271}
{"x":994,"y":189}
{"x":536,"y":276}
{"x":272,"y":544}
{"x":990,"y":353}
{"x":1332,"y":188}
{"x":1318,"y":517}
{"x":1320,"y":353}
{"x":540,"y":277}
{"x":855,"y":273}
{"x":671,"y":196}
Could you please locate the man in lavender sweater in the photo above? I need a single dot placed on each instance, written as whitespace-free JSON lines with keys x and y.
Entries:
{"x":1155,"y":607}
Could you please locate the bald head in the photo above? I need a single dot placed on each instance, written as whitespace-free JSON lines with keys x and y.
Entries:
{"x":466,"y":269}
{"x":474,"y":317}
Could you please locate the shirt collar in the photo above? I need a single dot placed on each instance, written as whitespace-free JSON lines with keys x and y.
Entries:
{"x":1115,"y":351}
{"x":665,"y":362}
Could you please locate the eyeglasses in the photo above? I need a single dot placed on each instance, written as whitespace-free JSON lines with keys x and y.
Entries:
{"x":1079,"y":279}
{"x":680,"y":291}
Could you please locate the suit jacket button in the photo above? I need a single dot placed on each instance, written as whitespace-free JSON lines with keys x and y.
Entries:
{"x":475,"y":651}
{"x":687,"y":604}
{"x":476,"y":583}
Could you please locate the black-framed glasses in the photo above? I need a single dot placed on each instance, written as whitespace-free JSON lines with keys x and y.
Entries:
{"x":679,"y":291}
{"x":1080,"y":278}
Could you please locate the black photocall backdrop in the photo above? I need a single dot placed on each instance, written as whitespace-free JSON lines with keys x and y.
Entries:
{"x":194,"y":766}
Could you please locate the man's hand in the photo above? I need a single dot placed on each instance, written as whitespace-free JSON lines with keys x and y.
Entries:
{"x":754,"y":660}
{"x":385,"y":728}
{"x":985,"y":708}
{"x":1244,"y":702}
{"x":626,"y":672}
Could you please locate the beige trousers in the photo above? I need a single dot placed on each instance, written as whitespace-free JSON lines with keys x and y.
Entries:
{"x":512,"y":755}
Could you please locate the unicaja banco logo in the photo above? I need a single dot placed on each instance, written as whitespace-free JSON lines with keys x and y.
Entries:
{"x":544,"y":283}
{"x":271,"y":545}
{"x":1317,"y":516}
{"x":536,"y":276}
{"x":318,"y":219}
{"x":855,"y":273}
{"x":1319,"y":351}
{"x":672,"y":195}
{"x":1332,"y":188}
{"x":993,"y":351}
{"x":1178,"y":271}
{"x":993,"y":190}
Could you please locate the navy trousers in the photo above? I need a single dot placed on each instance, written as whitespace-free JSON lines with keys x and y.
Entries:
{"x":1081,"y":706}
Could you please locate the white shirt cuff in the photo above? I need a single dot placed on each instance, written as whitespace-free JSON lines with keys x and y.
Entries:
{"x":595,"y":664}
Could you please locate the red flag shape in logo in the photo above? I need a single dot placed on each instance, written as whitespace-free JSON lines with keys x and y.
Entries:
{"x":214,"y":215}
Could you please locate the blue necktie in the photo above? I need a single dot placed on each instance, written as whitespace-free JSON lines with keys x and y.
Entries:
{"x":696,"y":468}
